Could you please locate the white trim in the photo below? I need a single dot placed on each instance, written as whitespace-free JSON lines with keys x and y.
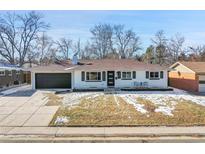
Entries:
{"x":154,"y":78}
{"x":97,"y":76}
{"x":126,"y":75}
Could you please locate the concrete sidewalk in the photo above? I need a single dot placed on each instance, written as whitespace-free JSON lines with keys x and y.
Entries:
{"x":100,"y":134}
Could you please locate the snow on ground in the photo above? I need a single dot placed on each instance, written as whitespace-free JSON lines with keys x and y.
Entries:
{"x":75,"y":97}
{"x":116,"y":100}
{"x":93,"y":95}
{"x":61,"y":120}
{"x":165,"y":110}
{"x":165,"y":101}
{"x":139,"y":107}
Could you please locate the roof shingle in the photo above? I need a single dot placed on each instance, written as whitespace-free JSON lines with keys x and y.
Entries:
{"x":198,"y":67}
{"x":103,"y":64}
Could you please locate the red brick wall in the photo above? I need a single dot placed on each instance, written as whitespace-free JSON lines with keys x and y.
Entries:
{"x":185,"y":81}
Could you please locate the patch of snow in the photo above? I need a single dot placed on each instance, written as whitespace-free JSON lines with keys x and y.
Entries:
{"x":92,"y":96}
{"x":61,"y":120}
{"x":137,"y":106}
{"x":166,"y":100}
{"x":116,"y":100}
{"x":74,"y":98}
{"x":165,"y":110}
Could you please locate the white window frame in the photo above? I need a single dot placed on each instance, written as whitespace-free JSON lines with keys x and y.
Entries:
{"x":126,"y":75}
{"x":155,"y":76}
{"x":3,"y":74}
{"x":93,"y":80}
{"x":9,"y":74}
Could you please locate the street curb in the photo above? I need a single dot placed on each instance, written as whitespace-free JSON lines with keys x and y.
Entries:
{"x":35,"y":139}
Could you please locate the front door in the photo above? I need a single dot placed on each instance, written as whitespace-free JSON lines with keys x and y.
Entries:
{"x":110,"y":78}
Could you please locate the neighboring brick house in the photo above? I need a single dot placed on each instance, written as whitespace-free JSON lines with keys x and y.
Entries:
{"x":189,"y":76}
{"x":10,"y":75}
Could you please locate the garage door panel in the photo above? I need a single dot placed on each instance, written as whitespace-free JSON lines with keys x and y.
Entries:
{"x":53,"y":80}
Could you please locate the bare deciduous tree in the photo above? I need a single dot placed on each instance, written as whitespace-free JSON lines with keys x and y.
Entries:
{"x":133,"y":49}
{"x":32,"y":56}
{"x":127,"y":43}
{"x":197,"y":53}
{"x":43,"y":46}
{"x":102,"y":39}
{"x":64,"y":45}
{"x":77,"y":49}
{"x":175,"y":47}
{"x":160,"y":43}
{"x":17,"y":32}
{"x":88,"y":51}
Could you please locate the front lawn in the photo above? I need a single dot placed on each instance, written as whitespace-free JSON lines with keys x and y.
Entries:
{"x":128,"y":110}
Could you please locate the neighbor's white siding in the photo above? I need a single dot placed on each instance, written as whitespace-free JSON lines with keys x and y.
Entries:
{"x":119,"y":83}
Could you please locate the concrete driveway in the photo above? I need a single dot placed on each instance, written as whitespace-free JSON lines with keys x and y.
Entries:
{"x":25,"y":107}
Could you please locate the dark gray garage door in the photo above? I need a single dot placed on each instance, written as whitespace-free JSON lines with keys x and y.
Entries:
{"x":53,"y":80}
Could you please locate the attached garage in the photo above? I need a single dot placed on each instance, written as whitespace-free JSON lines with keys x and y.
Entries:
{"x":53,"y":80}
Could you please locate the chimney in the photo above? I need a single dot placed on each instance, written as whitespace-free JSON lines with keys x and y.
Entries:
{"x":75,"y":59}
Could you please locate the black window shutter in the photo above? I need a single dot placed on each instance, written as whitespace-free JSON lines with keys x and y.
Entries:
{"x":118,"y":74}
{"x":161,"y":74}
{"x":134,"y":74}
{"x":147,"y":74}
{"x":103,"y":76}
{"x":99,"y":75}
{"x":83,"y":76}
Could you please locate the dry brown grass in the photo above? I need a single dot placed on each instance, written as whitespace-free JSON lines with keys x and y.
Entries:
{"x":53,"y":99}
{"x":148,"y":105}
{"x":104,"y":111}
{"x":190,"y":113}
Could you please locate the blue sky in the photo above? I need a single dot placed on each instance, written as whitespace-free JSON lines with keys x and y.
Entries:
{"x":76,"y":24}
